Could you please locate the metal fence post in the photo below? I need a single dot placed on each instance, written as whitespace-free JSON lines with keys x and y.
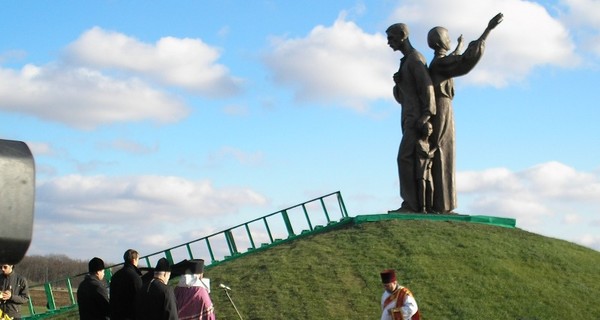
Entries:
{"x":230,"y":242}
{"x":210,"y":251}
{"x":49,"y":296}
{"x":250,"y":236}
{"x":70,"y":290}
{"x":288,"y":224}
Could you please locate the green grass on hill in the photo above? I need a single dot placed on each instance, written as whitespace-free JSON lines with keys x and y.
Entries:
{"x":456,"y":271}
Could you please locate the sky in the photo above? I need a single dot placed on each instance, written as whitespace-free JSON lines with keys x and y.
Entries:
{"x":154,"y":123}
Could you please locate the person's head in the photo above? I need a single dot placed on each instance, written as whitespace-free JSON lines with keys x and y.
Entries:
{"x":96,"y":267}
{"x":438,"y":39}
{"x":426,"y":130}
{"x":131,"y":256}
{"x":388,"y":279}
{"x":162,"y":270}
{"x":194,"y":266}
{"x":397,"y":36}
{"x":7,"y":269}
{"x":191,"y":271}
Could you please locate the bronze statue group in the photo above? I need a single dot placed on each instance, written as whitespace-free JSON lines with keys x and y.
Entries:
{"x":426,"y":155}
{"x":137,"y":296}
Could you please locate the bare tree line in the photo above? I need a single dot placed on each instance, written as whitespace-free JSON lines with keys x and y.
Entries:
{"x":50,"y":268}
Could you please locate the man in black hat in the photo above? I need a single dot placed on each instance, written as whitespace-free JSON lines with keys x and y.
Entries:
{"x":92,"y":294}
{"x":397,"y":302}
{"x":124,"y":285}
{"x":192,"y":292}
{"x":156,"y":300}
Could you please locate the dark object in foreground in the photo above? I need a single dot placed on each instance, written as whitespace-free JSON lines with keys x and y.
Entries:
{"x":17,"y":195}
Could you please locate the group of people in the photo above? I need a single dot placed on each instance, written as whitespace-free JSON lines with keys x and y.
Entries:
{"x":426,"y":155}
{"x":132,"y":295}
{"x":137,"y":296}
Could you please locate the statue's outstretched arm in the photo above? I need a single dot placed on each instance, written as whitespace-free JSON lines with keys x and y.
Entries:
{"x":495,"y":21}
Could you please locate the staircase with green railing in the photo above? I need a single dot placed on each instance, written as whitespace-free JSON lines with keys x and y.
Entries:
{"x":310,"y":217}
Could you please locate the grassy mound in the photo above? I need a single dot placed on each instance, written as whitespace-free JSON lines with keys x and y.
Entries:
{"x":456,"y":271}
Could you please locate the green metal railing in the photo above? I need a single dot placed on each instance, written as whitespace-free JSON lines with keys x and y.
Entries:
{"x":261,"y":233}
{"x":265,"y":230}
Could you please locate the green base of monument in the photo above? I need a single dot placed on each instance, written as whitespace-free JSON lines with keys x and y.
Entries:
{"x":496,"y":221}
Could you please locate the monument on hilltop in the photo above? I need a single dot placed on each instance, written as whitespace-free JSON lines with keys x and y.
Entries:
{"x":425,"y":94}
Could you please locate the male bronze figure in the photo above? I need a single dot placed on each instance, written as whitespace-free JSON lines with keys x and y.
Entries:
{"x":413,"y":89}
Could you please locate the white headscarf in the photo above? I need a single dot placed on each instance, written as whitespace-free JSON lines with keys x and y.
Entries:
{"x":193,"y":280}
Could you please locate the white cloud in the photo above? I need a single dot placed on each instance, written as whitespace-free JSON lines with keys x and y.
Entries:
{"x":147,"y":212}
{"x":236,"y":110}
{"x":584,"y":17}
{"x":96,"y":198}
{"x":130,"y":146}
{"x":240,"y":156}
{"x":105,"y":78}
{"x":572,"y":218}
{"x":556,"y":181}
{"x":583,"y":12}
{"x":187,"y":63}
{"x":498,"y":179}
{"x":340,"y":62}
{"x":84,"y":98}
{"x":548,"y":183}
{"x":594,"y":45}
{"x":538,"y":197}
{"x":528,"y":37}
{"x":589,"y":240}
{"x":40,"y":148}
{"x":344,"y":63}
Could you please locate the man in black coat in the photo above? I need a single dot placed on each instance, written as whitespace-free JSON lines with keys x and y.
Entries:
{"x":156,"y":299}
{"x":92,"y":294}
{"x":124,"y":286}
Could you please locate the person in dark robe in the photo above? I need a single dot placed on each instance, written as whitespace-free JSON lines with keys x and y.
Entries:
{"x":442,"y":69}
{"x":192,"y":292}
{"x":156,"y":300}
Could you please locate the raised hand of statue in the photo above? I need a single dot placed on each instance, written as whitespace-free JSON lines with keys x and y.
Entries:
{"x":495,"y":21}
{"x":458,"y":46}
{"x":460,"y":40}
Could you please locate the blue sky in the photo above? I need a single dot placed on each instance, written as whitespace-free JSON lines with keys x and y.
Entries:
{"x":155,"y":123}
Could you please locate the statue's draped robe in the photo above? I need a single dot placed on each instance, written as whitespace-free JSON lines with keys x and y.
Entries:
{"x":442,"y":69}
